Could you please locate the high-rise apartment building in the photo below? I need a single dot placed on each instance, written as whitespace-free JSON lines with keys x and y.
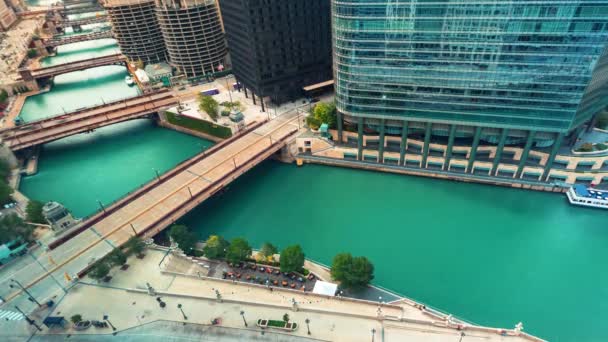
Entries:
{"x":136,"y":29}
{"x":193,"y":34}
{"x":278,"y":46}
{"x":470,"y":72}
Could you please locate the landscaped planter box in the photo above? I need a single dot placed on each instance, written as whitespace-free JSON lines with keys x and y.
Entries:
{"x":282,"y":325}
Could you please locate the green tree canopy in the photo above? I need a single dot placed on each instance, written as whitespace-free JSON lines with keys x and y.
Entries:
{"x":292,"y":259}
{"x":208,"y":104}
{"x":268,"y":249}
{"x":239,"y":250}
{"x":313,"y":122}
{"x":352,"y":272}
{"x":5,"y":169}
{"x":325,"y":113}
{"x":12,"y":228}
{"x":5,"y":192}
{"x":117,"y":257}
{"x":31,"y":53}
{"x":135,"y":245}
{"x":3,"y":95}
{"x":185,"y":239}
{"x":215,"y":247}
{"x":34,"y":212}
{"x":100,"y":270}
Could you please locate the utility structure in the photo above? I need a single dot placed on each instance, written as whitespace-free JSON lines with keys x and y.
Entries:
{"x":135,"y":28}
{"x":193,"y":36}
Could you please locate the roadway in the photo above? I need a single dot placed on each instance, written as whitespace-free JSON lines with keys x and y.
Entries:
{"x":63,"y":40}
{"x":50,"y":129}
{"x":164,"y":203}
{"x":54,"y":70}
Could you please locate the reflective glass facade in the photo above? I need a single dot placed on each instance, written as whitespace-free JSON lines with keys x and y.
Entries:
{"x":525,"y":65}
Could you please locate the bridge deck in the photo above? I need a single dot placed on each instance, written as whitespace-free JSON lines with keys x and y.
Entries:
{"x":43,"y":131}
{"x":168,"y":201}
{"x":59,"y":69}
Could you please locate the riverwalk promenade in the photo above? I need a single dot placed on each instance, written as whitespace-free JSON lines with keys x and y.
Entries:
{"x":133,"y":308}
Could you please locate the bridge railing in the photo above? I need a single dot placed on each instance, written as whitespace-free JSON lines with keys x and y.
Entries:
{"x":144,"y":188}
{"x":67,"y":114}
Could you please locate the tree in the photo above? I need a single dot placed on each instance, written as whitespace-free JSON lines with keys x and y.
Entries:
{"x":268,"y":250}
{"x":286,"y":318}
{"x":76,"y":319}
{"x":586,"y":147}
{"x":239,"y":250}
{"x":5,"y":192}
{"x":5,"y":169}
{"x":325,"y":113}
{"x":292,"y":259}
{"x":215,"y":247}
{"x":3,"y":95}
{"x":208,"y":104}
{"x":185,"y":239}
{"x":31,"y":53}
{"x":12,"y":228}
{"x":117,"y":257}
{"x":100,"y":270}
{"x":313,"y":122}
{"x":352,"y":272}
{"x":34,"y":212}
{"x":135,"y":245}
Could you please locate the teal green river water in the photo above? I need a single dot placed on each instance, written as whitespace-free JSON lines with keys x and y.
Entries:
{"x":491,"y":255}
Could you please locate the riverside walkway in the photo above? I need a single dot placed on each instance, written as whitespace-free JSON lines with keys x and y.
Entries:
{"x":28,"y":74}
{"x":61,"y":126}
{"x":161,"y":202}
{"x":63,"y":40}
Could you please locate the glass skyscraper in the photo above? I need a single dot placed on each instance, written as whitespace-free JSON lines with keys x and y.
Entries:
{"x":491,"y":71}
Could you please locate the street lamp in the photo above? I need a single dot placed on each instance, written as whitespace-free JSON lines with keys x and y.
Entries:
{"x":307,"y":326}
{"x":243,"y":315}
{"x":179,"y":306}
{"x":461,"y":336}
{"x":373,"y":334}
{"x":157,"y":175}
{"x":101,"y":206}
{"x":29,"y":320}
{"x":30,"y":297}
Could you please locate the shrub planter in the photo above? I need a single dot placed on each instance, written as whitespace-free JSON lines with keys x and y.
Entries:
{"x":124,"y":267}
{"x":275,"y":324}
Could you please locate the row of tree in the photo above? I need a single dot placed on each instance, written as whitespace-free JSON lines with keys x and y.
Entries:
{"x":117,"y":257}
{"x":351,"y":272}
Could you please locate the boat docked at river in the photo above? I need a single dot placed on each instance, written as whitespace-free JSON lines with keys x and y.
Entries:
{"x":129,"y":80}
{"x":583,"y":196}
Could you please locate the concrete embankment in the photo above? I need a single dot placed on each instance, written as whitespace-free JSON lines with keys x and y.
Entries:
{"x":164,"y":123}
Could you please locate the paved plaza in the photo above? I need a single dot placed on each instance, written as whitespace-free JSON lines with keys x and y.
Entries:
{"x":138,"y":316}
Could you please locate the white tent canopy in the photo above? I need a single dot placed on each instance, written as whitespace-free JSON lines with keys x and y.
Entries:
{"x":325,"y":288}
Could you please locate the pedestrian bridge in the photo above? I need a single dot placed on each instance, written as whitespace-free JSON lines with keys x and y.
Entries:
{"x":63,"y":40}
{"x":61,"y":126}
{"x":97,"y":19}
{"x":163,"y":201}
{"x":28,"y":74}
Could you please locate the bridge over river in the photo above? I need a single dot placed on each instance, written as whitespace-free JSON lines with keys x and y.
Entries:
{"x":61,"y":126}
{"x":64,"y":40}
{"x":160,"y":203}
{"x":28,"y":74}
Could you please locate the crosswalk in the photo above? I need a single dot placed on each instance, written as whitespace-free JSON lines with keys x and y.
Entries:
{"x":7,"y":315}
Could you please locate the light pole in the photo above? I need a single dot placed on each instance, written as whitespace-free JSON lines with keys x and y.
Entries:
{"x":30,"y":297}
{"x":101,"y":206}
{"x":243,"y":315}
{"x":179,"y":306}
{"x":461,"y":336}
{"x":380,"y":301}
{"x":307,"y":326}
{"x":157,"y":175}
{"x":29,"y":320}
{"x":373,"y":334}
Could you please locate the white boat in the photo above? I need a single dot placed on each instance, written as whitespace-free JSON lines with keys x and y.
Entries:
{"x":583,"y":196}
{"x":129,"y":80}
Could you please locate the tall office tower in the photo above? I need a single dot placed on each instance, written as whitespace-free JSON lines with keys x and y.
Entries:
{"x":278,"y":46}
{"x":471,"y":72}
{"x":136,"y":29}
{"x":7,"y":15}
{"x":193,"y":34}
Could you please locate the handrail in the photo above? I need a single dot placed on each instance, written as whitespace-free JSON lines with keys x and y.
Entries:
{"x":147,"y":187}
